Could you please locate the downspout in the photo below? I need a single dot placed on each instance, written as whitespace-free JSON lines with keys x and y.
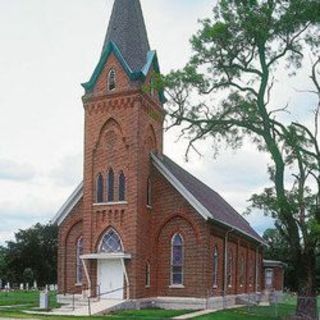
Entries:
{"x":226,"y":240}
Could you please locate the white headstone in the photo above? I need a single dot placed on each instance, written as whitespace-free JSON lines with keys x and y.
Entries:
{"x":27,"y":286}
{"x":35,"y":285}
{"x":21,"y":286}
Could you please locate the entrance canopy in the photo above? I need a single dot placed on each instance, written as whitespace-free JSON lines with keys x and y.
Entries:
{"x":106,"y":256}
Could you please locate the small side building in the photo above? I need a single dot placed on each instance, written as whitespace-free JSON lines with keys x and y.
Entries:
{"x":273,"y":275}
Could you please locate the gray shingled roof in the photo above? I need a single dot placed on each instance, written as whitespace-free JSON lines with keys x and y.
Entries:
{"x":220,"y":210}
{"x":128,"y":31}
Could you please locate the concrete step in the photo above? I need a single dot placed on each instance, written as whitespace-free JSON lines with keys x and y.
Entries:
{"x":98,"y":307}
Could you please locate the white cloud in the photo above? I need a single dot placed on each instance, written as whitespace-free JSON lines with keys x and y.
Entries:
{"x":12,"y":170}
{"x":69,"y":171}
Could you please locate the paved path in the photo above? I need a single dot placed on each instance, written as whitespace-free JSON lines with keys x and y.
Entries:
{"x":203,"y":313}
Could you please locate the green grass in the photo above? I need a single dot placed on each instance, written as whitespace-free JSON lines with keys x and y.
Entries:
{"x":27,"y":300}
{"x":257,"y":313}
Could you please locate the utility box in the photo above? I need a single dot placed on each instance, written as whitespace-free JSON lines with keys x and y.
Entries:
{"x":44,"y":300}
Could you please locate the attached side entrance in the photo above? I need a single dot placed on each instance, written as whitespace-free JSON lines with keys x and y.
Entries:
{"x":110,"y":279}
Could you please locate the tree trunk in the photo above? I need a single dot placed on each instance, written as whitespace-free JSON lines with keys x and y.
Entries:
{"x":307,"y":293}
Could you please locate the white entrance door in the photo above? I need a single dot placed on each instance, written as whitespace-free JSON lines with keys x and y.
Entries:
{"x":110,"y":278}
{"x":269,"y":279}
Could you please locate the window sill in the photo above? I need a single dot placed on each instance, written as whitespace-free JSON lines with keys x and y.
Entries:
{"x":110,"y":203}
{"x":149,"y":207}
{"x":176,"y":286}
{"x":78,"y":284}
{"x":147,"y":287}
{"x":229,"y":286}
{"x":215,"y":287}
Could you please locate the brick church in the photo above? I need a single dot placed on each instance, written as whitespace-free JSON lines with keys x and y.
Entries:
{"x":139,"y":227}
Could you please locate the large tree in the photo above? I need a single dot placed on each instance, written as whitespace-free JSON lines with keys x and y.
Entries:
{"x":35,"y":250}
{"x":226,"y":92}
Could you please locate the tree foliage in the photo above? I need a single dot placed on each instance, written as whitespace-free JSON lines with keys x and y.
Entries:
{"x":226,"y":92}
{"x":31,"y":256}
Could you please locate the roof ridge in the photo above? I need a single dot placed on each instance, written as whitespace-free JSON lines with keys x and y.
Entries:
{"x":208,"y":187}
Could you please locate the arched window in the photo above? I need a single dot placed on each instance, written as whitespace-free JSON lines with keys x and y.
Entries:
{"x":111,"y":242}
{"x":100,"y":188}
{"x":112,"y":80}
{"x":177,"y":260}
{"x":148,"y":274}
{"x":242,"y":270}
{"x":230,"y":268}
{"x":149,"y":192}
{"x":122,"y":187}
{"x":215,"y":267}
{"x":110,"y":186}
{"x":79,"y":270}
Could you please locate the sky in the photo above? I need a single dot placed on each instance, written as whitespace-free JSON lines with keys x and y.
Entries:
{"x":50,"y":47}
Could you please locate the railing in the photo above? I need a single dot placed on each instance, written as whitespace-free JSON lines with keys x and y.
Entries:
{"x":99,"y":295}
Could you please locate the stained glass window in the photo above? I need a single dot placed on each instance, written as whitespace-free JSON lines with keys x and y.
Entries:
{"x":148,"y":274}
{"x":215,"y":266}
{"x":111,"y":243}
{"x":110,"y":186}
{"x":79,"y":262}
{"x":112,"y":80}
{"x":177,"y":260}
{"x":122,"y":187}
{"x":242,"y":270}
{"x":100,"y":189}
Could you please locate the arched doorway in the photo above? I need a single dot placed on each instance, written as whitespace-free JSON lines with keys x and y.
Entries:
{"x":110,"y":277}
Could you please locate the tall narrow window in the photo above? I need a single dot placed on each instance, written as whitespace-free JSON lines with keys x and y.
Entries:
{"x":110,"y":186}
{"x":230,"y":267}
{"x":79,"y":262}
{"x":177,"y":260}
{"x":148,"y":274}
{"x":149,"y":192}
{"x":100,"y":188}
{"x":122,"y":187}
{"x":215,"y":267}
{"x":112,"y":80}
{"x":251,"y":272}
{"x":242,"y":270}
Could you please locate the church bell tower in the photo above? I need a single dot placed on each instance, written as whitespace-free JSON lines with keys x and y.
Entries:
{"x":123,"y":124}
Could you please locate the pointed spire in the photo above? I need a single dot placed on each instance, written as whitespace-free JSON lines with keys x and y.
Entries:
{"x":128,"y":31}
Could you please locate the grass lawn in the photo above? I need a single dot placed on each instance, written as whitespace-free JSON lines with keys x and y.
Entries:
{"x":30,"y":300}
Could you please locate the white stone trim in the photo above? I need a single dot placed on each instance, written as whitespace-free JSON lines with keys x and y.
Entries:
{"x":113,"y":203}
{"x":67,"y":207}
